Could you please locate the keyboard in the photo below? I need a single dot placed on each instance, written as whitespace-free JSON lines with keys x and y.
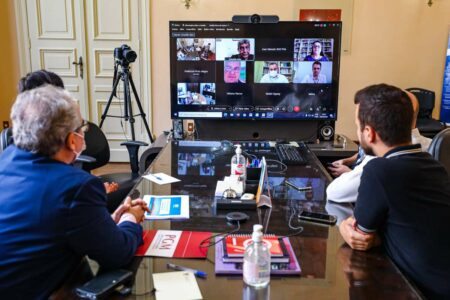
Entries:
{"x":289,"y":154}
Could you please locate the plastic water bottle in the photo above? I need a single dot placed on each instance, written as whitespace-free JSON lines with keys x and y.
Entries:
{"x":238,"y":164}
{"x":257,"y":260}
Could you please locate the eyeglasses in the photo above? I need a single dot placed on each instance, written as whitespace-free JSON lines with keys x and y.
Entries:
{"x":232,"y":69}
{"x":83,"y":127}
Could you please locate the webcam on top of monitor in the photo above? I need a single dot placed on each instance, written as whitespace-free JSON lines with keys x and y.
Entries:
{"x":255,"y":19}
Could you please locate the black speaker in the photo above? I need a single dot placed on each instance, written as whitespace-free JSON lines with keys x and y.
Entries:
{"x":255,"y":19}
{"x":325,"y":130}
{"x":178,"y":131}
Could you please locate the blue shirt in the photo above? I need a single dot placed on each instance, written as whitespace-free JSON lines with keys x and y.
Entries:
{"x":51,"y":215}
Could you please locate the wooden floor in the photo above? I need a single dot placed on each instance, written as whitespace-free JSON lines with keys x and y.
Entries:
{"x":112,"y":168}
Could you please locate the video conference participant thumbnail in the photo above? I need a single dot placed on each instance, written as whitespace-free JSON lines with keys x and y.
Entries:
{"x":241,"y":49}
{"x":313,"y":49}
{"x":195,"y":71}
{"x":313,"y":72}
{"x":271,"y":72}
{"x":196,"y":49}
{"x":234,"y":71}
{"x":196,"y":93}
{"x":307,"y":99}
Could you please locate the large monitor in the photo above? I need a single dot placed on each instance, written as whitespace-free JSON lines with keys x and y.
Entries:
{"x":229,"y":71}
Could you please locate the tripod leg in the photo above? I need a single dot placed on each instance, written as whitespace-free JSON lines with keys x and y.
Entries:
{"x":110,"y":98}
{"x":128,"y":105}
{"x":141,"y":111}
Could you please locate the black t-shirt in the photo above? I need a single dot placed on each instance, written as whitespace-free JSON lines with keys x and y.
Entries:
{"x":405,"y":197}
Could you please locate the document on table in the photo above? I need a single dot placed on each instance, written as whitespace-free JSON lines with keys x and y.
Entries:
{"x":161,"y":178}
{"x":167,"y":207}
{"x":176,"y":285}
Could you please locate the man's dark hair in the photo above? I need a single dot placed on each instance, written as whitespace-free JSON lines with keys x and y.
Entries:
{"x":388,"y":110}
{"x":38,"y":78}
{"x":317,"y":63}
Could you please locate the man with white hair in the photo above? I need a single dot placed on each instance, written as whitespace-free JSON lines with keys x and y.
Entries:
{"x":53,"y":214}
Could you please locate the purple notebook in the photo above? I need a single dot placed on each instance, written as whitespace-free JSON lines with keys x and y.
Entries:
{"x":290,"y":268}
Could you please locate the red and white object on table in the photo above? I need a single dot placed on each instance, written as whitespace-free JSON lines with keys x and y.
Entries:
{"x":173,"y":243}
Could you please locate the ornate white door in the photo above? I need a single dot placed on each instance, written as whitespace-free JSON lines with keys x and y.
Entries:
{"x":110,"y":24}
{"x":55,"y":29}
{"x":76,"y":40}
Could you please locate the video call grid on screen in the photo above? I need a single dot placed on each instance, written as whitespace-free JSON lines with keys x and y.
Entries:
{"x":222,"y":70}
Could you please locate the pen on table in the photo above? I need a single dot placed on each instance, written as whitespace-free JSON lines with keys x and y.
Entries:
{"x":197,"y":273}
{"x":157,"y":177}
{"x":300,"y":189}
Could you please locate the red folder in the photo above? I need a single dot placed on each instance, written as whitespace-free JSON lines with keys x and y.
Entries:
{"x":173,"y":243}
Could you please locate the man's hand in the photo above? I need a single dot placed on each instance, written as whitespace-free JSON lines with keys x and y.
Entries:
{"x":138,"y":212}
{"x":132,"y":207}
{"x":111,"y":187}
{"x":123,"y":208}
{"x":355,"y":238}
{"x":337,"y":168}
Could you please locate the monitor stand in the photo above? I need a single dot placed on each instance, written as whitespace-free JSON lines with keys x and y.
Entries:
{"x":243,"y":130}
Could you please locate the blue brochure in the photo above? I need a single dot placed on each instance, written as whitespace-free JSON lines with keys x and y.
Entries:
{"x":167,"y":207}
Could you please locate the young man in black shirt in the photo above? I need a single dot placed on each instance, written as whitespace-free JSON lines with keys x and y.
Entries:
{"x":404,"y":196}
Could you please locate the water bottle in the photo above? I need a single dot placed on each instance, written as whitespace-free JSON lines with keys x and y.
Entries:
{"x":257,"y":260}
{"x":238,"y":164}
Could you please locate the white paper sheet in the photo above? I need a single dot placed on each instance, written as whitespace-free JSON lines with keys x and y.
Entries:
{"x":161,"y":178}
{"x":176,"y":285}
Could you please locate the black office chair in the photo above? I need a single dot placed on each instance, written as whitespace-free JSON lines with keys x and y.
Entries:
{"x":97,"y":147}
{"x":6,"y":139}
{"x":147,"y":157}
{"x":427,"y":126}
{"x":440,"y":148}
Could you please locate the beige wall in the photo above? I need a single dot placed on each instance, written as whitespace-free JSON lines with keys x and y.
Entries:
{"x":9,"y":61}
{"x":399,"y":42}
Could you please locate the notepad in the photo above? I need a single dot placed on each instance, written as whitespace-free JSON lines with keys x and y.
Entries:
{"x":176,"y":285}
{"x":235,"y":244}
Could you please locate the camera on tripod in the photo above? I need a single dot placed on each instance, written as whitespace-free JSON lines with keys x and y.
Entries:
{"x":124,"y":55}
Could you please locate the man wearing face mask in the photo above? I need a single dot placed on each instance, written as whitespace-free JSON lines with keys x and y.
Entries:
{"x":53,"y":214}
{"x":273,"y":76}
